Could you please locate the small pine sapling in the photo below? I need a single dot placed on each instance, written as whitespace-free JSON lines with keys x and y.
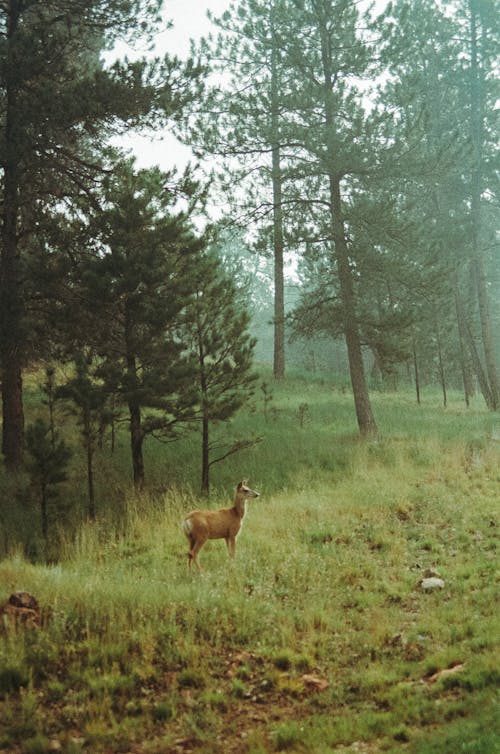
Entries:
{"x":87,"y":401}
{"x":47,"y":465}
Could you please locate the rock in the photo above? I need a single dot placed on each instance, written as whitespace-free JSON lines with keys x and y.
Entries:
{"x":456,"y":667}
{"x":23,"y":599}
{"x":314,"y":683}
{"x":15,"y":617}
{"x":20,"y":610}
{"x":431,"y":583}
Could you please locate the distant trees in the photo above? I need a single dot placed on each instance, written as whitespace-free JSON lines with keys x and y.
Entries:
{"x":248,"y":136}
{"x":370,"y":141}
{"x":433,"y":84}
{"x":483,"y":30}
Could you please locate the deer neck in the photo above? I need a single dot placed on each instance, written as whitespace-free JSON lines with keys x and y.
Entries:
{"x":239,"y":506}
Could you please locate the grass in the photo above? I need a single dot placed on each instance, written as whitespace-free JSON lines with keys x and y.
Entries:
{"x":318,"y":638}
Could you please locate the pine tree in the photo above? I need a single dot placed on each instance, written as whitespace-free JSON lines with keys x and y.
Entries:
{"x":310,"y":52}
{"x":133,"y":282}
{"x":59,"y":105}
{"x":214,"y":330}
{"x":249,"y":126}
{"x":47,"y":465}
{"x":424,"y":50}
{"x":324,"y":46}
{"x":86,"y":398}
{"x":483,"y":29}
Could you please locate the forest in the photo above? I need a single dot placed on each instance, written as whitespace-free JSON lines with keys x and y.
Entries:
{"x":311,"y":305}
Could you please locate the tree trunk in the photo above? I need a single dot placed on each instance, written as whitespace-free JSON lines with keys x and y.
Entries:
{"x":476,"y":364}
{"x":11,"y":306}
{"x":476,"y":190}
{"x":478,"y":368}
{"x":465,"y":366}
{"x":134,"y":407}
{"x":364,"y":414}
{"x":113,"y":423}
{"x":279,"y":283}
{"x":442,"y":377}
{"x":13,"y":414}
{"x":205,"y":456}
{"x":486,"y":330}
{"x":43,"y":505}
{"x":90,"y":469}
{"x":417,"y":376}
{"x":136,"y":440}
{"x":205,"y":422}
{"x":90,"y":483}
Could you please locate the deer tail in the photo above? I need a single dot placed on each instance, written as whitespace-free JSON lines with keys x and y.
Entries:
{"x":187,"y":527}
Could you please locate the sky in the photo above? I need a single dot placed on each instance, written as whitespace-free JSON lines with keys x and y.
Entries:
{"x":189,"y":18}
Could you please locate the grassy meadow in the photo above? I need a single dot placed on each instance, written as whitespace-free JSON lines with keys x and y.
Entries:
{"x":318,"y":637}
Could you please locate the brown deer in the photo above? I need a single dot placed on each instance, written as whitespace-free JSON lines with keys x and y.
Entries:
{"x":225,"y":523}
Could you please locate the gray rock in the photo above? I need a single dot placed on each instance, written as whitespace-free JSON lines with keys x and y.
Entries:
{"x":432,"y":583}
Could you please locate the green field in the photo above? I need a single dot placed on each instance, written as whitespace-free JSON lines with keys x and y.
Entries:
{"x":319,"y":636}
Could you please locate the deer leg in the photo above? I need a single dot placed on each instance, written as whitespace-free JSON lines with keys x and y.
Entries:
{"x":231,"y":546}
{"x":190,"y":553}
{"x":193,"y":553}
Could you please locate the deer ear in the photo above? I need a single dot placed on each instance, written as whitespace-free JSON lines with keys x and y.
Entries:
{"x":241,"y":484}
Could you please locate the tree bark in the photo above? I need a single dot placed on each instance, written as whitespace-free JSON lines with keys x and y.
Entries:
{"x":43,"y":507}
{"x":90,"y":467}
{"x":136,"y":431}
{"x":364,"y":414}
{"x":417,"y":375}
{"x":480,"y":277}
{"x":477,"y":365}
{"x":442,"y":376}
{"x":205,"y":456}
{"x":462,"y":337}
{"x":279,"y":283}
{"x":205,"y":422}
{"x":11,"y":306}
{"x":136,"y":440}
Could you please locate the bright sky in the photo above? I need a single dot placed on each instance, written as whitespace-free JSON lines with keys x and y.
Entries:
{"x":190,"y":21}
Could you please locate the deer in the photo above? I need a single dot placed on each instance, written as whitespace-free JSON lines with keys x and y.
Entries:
{"x":225,"y":523}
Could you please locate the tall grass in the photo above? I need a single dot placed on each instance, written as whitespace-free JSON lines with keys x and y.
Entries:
{"x":308,"y":434}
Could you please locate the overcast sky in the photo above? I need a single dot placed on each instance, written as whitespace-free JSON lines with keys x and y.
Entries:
{"x":190,"y":21}
{"x":189,"y":18}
